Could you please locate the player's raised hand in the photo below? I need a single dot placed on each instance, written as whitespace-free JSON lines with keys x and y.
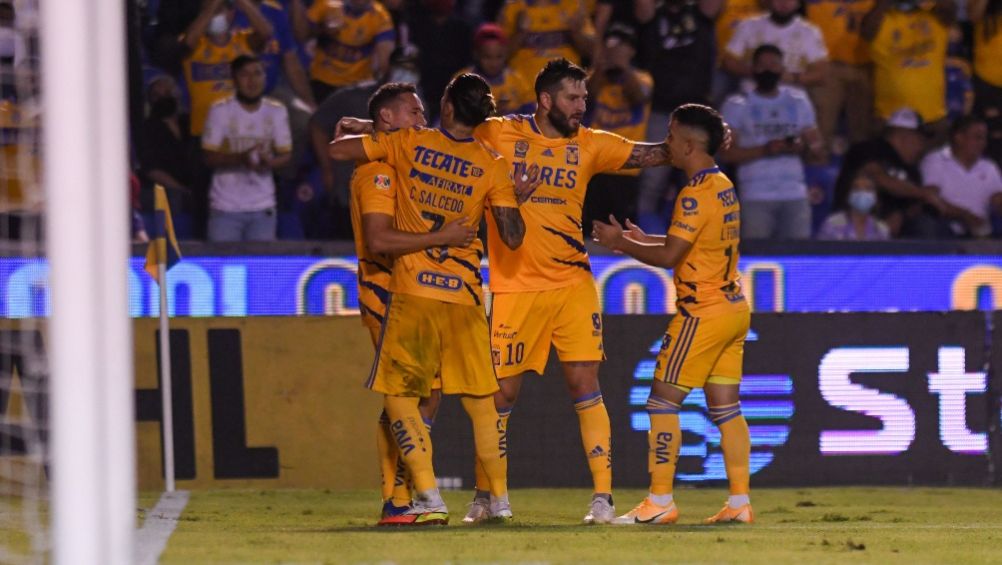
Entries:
{"x":352,"y":126}
{"x":457,"y":233}
{"x":527,"y":182}
{"x":607,"y":235}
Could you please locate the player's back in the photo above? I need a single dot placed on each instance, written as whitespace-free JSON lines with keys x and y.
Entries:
{"x":707,"y":213}
{"x":554,"y":255}
{"x":441,"y":179}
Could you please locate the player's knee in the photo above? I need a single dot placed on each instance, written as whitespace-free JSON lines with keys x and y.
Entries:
{"x":723,"y":413}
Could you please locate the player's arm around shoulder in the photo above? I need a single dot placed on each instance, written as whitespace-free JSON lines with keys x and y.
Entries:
{"x":372,"y":147}
{"x":506,"y":196}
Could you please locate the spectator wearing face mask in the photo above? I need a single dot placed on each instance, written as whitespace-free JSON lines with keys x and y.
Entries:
{"x":169,"y":156}
{"x":805,"y":57}
{"x":857,"y":221}
{"x":774,"y":129}
{"x":212,"y":45}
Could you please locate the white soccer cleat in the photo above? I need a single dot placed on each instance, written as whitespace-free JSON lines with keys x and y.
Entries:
{"x":480,"y":510}
{"x":601,"y":512}
{"x":499,"y":511}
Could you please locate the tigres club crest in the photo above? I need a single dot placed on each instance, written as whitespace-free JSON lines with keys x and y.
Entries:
{"x":521,"y":148}
{"x":572,"y":154}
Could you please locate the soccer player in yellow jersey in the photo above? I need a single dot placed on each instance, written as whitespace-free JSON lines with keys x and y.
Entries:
{"x":544,"y":293}
{"x":373,"y":208}
{"x":704,"y":344}
{"x":435,"y":322}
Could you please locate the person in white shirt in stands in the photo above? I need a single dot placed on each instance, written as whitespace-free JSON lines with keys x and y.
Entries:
{"x":966,"y":178}
{"x":246,"y":137}
{"x":805,"y":55}
{"x":773,"y":130}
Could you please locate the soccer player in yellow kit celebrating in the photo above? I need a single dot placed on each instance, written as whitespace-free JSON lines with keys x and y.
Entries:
{"x":373,"y":209}
{"x":544,"y":292}
{"x":435,"y":322}
{"x":704,"y":344}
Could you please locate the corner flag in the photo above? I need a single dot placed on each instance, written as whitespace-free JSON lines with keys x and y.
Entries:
{"x":163,"y":245}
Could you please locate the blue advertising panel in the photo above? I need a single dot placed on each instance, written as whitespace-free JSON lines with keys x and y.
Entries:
{"x":301,"y":285}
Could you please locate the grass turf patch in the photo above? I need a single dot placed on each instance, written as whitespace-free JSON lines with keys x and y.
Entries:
{"x":822,"y":525}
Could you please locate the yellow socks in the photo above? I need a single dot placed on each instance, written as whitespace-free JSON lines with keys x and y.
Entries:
{"x":491,"y":440}
{"x":412,"y":439}
{"x":596,"y":437}
{"x":735,"y":442}
{"x":483,"y":483}
{"x":663,"y":441}
{"x":394,"y":472}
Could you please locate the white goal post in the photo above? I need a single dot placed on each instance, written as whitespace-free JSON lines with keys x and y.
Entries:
{"x":86,"y":178}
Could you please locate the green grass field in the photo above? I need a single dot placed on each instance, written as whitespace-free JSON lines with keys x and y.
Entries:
{"x":810,"y":525}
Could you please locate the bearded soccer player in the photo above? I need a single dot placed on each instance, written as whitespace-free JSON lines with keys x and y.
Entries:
{"x":373,"y":207}
{"x":435,"y":323}
{"x":544,"y":292}
{"x":704,"y":344}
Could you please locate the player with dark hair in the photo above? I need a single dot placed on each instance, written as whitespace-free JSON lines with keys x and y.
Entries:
{"x":435,"y":323}
{"x":544,"y":292}
{"x":373,"y":201}
{"x":704,"y":344}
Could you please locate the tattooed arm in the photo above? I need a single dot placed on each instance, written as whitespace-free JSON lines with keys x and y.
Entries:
{"x":647,"y":155}
{"x":510,"y":225}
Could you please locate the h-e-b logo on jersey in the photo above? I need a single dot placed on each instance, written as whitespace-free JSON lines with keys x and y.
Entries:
{"x":572,"y":154}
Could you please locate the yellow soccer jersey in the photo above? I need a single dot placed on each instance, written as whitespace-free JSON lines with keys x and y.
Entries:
{"x":614,"y":113}
{"x":347,"y":59}
{"x":512,"y":93}
{"x":553,"y":255}
{"x":547,"y":33}
{"x":442,"y":179}
{"x":986,"y":54}
{"x":707,"y":214}
{"x":840,"y":21}
{"x":734,"y":12}
{"x":373,"y":191}
{"x":909,"y":57}
{"x":207,"y":72}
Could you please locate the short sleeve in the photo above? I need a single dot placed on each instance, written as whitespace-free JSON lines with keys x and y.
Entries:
{"x":383,"y":29}
{"x":489,"y":132}
{"x":282,"y":134}
{"x":689,"y":216}
{"x":501,"y":193}
{"x":380,"y":145}
{"x":738,"y":45}
{"x":376,"y":185}
{"x":805,"y":113}
{"x":815,"y":48}
{"x":931,"y":174}
{"x":610,"y":151}
{"x":214,"y":132}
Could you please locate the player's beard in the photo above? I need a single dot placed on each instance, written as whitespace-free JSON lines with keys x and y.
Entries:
{"x":562,"y":122}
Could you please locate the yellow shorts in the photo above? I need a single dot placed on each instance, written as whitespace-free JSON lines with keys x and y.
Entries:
{"x":424,"y":337}
{"x":375,"y":328}
{"x":695,"y":349}
{"x":524,"y":324}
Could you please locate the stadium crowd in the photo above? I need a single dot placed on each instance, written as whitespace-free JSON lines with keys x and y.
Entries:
{"x":851,"y":119}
